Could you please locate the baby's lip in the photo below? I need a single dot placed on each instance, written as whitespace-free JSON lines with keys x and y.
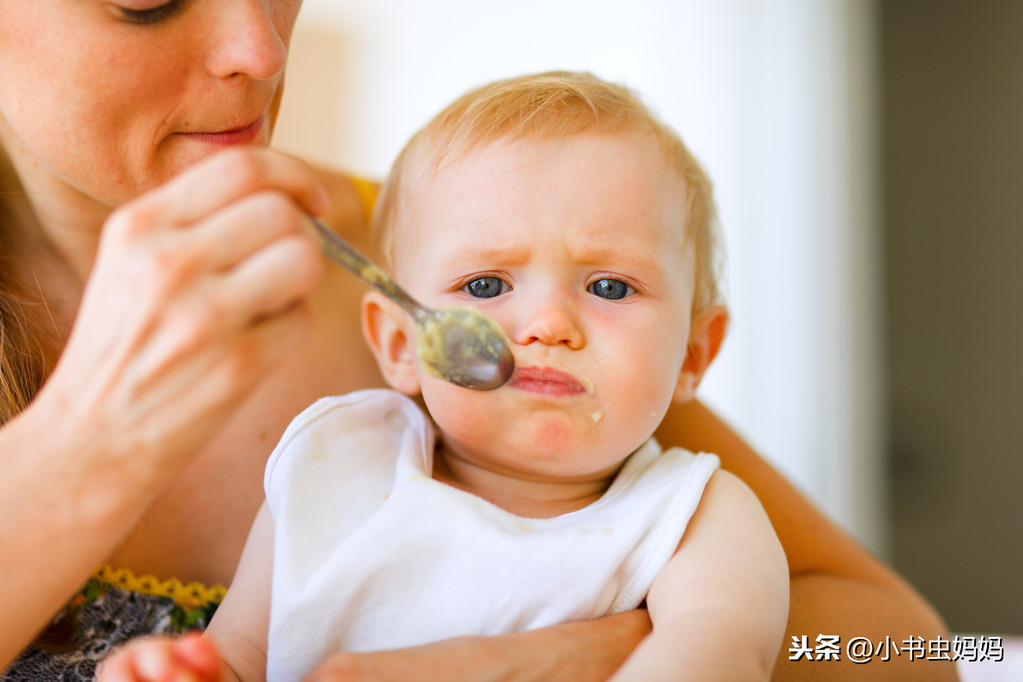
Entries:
{"x":546,"y":381}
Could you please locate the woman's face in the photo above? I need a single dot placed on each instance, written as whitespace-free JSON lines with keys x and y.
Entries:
{"x":114,"y":97}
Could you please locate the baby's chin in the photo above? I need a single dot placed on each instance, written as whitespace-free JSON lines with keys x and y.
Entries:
{"x":554,"y":444}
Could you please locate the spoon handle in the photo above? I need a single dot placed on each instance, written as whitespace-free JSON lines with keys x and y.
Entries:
{"x":344,"y":254}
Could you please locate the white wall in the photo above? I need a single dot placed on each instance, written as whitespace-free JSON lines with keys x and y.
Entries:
{"x":774,"y":96}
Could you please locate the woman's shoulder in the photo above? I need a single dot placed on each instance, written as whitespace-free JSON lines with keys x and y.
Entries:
{"x":352,"y":197}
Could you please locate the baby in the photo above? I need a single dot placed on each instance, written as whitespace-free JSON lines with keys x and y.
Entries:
{"x":558,"y":205}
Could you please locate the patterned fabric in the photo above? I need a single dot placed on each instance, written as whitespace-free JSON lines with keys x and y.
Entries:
{"x":191,"y":597}
{"x":109,"y":616}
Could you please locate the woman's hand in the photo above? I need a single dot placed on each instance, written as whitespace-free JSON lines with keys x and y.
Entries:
{"x":196,"y":293}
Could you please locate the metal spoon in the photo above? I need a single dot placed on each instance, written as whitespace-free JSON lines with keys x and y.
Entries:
{"x":459,"y":344}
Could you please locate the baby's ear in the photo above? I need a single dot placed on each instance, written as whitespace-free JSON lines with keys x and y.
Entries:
{"x":705,"y":337}
{"x":389,"y":333}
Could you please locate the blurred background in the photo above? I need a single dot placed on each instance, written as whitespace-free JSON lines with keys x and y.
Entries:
{"x":867,"y":159}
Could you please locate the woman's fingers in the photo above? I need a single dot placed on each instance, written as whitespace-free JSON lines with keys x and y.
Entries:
{"x":251,"y":257}
{"x":230,"y":175}
{"x":243,"y":227}
{"x":271,"y":280}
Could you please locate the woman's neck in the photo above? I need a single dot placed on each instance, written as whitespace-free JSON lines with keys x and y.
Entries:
{"x":66,"y":228}
{"x":50,"y":241}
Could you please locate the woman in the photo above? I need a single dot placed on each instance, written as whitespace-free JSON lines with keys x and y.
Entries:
{"x":180,"y":313}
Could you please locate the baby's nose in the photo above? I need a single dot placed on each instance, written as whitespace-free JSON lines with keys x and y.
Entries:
{"x":551,"y":321}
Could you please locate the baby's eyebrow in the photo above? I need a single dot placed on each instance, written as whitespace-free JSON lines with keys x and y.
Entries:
{"x":484,"y":253}
{"x":602,"y":255}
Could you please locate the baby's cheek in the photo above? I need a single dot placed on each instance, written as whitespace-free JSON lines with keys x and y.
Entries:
{"x":460,"y":411}
{"x":642,"y":399}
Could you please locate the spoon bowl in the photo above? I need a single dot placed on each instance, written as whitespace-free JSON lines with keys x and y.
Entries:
{"x":465,"y":347}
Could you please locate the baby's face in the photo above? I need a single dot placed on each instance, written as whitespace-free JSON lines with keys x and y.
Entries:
{"x":576,"y":248}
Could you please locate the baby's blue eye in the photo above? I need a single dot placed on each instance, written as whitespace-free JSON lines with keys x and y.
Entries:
{"x":612,"y":289}
{"x":486,"y":287}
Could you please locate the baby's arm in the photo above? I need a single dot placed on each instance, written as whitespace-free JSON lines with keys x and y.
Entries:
{"x":233,"y":646}
{"x":240,"y":625}
{"x":720,"y":605}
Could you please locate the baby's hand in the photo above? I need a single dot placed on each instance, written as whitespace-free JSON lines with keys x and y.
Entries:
{"x":190,"y":658}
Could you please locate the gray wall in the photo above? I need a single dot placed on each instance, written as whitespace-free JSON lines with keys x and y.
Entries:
{"x":952,"y":74}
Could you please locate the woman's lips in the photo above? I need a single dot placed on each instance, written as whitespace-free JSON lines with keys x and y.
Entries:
{"x":546,"y":381}
{"x":227,"y":138}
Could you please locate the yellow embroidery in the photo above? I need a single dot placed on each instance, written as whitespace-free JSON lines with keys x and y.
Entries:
{"x":188,"y":596}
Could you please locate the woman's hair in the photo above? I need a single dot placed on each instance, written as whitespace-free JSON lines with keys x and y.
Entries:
{"x":24,"y":351}
{"x":23,"y":348}
{"x":551,"y":105}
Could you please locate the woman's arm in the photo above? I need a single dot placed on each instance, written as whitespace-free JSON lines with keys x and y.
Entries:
{"x":837,"y":587}
{"x":56,"y":522}
{"x":586,"y":650}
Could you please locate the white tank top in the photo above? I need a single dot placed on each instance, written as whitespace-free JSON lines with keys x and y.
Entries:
{"x":371,"y":553}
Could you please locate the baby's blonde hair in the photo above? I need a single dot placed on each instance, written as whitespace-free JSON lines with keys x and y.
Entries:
{"x":551,"y":105}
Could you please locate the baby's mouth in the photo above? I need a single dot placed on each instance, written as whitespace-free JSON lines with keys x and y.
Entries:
{"x":548,"y":381}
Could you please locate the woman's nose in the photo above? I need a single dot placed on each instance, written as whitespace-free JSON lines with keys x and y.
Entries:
{"x":551,"y":321}
{"x":247,"y":39}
